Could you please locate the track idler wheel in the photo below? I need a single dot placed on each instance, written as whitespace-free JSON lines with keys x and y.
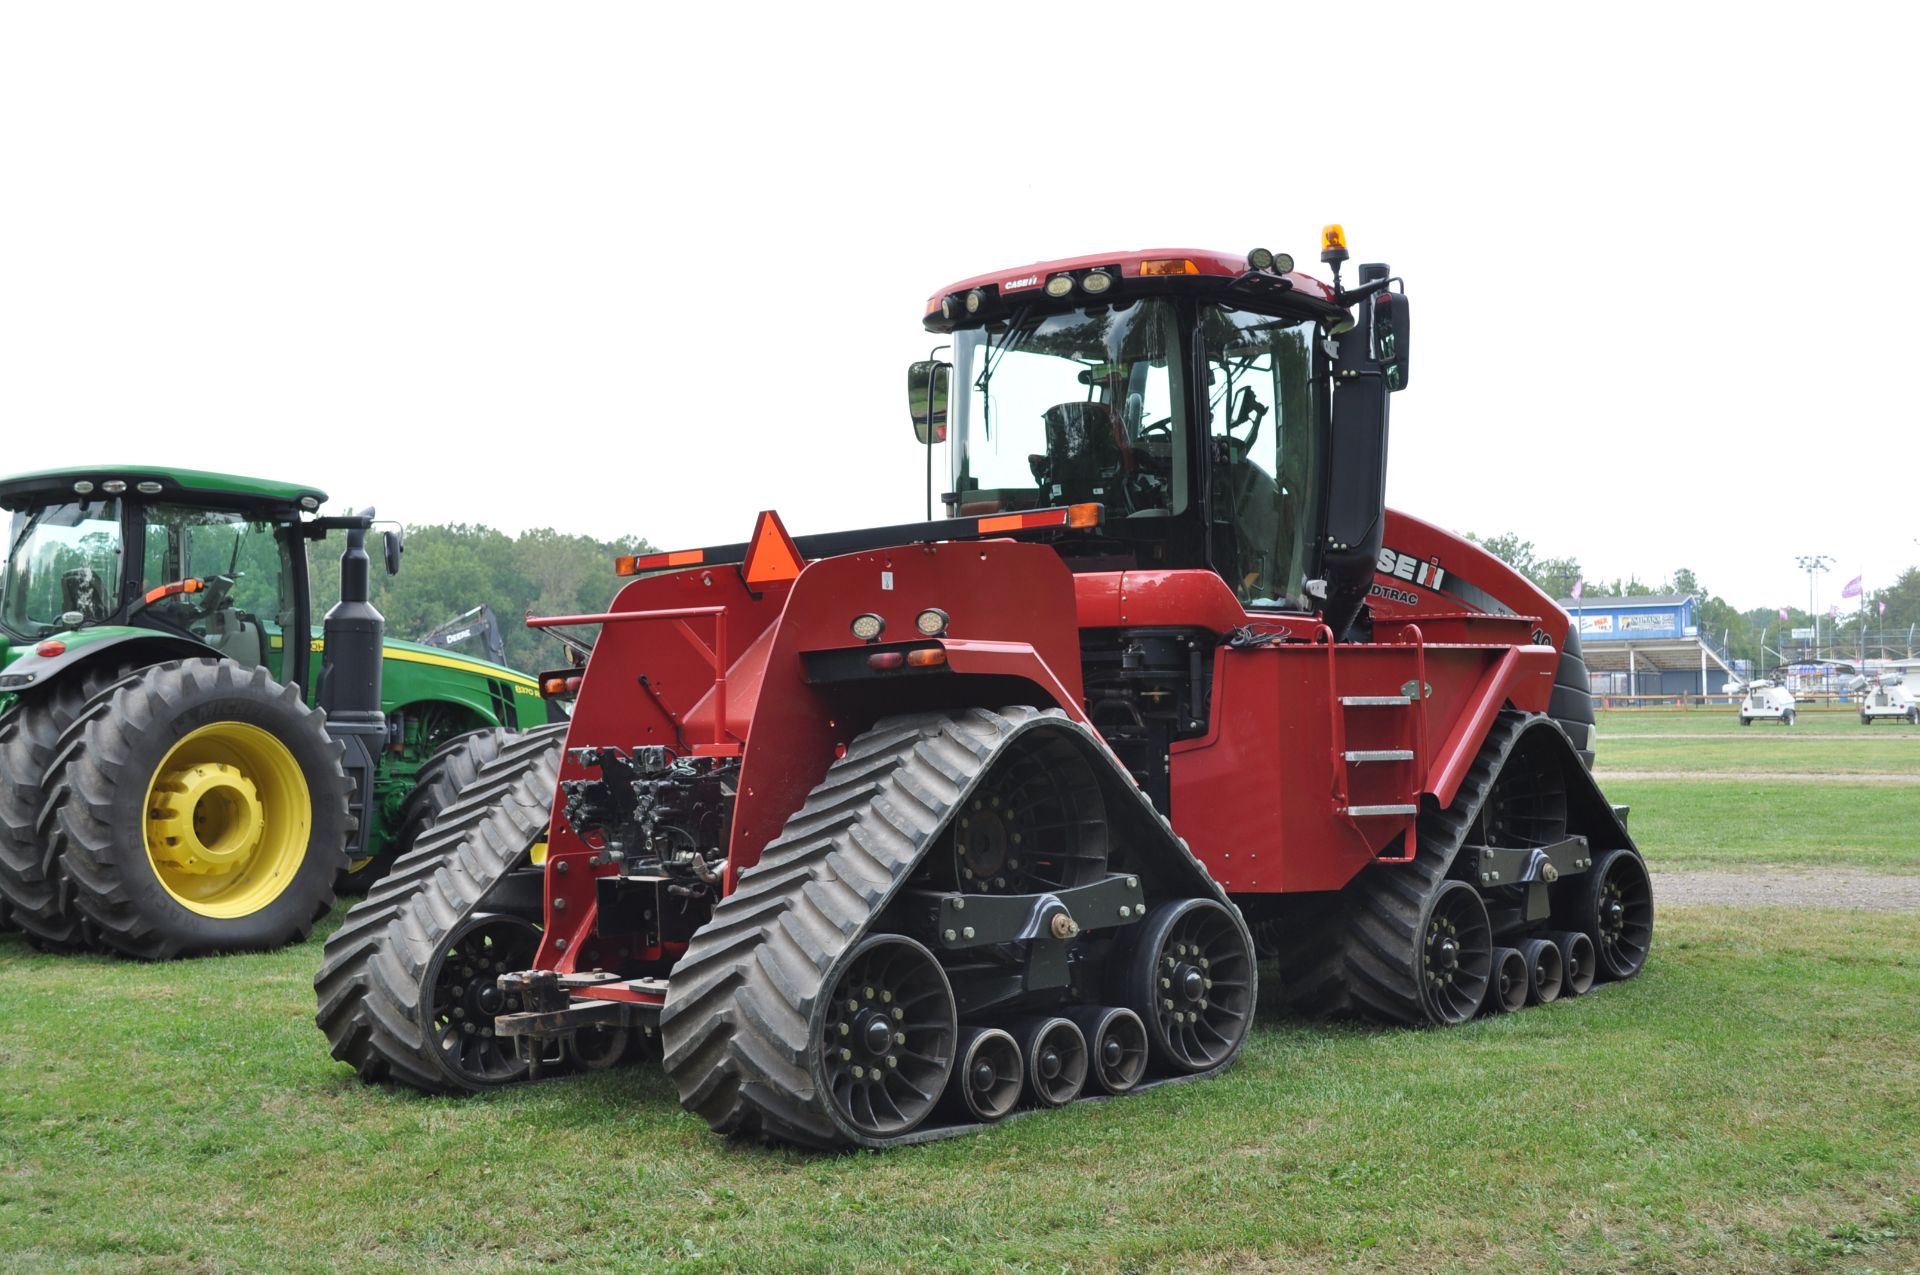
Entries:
{"x":1545,"y":970}
{"x":464,"y":984}
{"x":1056,"y":1053}
{"x":1189,"y":981}
{"x":1578,"y":962}
{"x":887,"y":1036}
{"x":989,"y":1074}
{"x":1616,"y":911}
{"x":1456,"y":955}
{"x":1117,"y":1043}
{"x":1508,"y":990}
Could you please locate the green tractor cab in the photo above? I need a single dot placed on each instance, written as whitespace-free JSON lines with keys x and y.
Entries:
{"x":188,"y":764}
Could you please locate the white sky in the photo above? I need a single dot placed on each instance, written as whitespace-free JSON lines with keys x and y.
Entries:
{"x":651,"y":268}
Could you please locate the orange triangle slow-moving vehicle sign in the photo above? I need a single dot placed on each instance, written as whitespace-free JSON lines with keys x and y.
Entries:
{"x":771,"y":555}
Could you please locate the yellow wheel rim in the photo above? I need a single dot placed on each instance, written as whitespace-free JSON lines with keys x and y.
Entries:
{"x":228,"y":819}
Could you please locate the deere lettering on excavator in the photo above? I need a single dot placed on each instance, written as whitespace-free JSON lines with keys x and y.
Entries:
{"x":885,"y":834}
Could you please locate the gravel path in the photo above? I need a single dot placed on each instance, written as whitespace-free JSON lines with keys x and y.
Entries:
{"x":1867,"y":734}
{"x":1783,"y":888}
{"x":1765,"y":776}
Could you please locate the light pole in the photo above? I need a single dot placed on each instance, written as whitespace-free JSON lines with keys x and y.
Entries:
{"x":1812,"y":564}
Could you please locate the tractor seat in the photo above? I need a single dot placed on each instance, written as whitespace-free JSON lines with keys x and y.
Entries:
{"x":82,"y":590}
{"x":1085,"y":460}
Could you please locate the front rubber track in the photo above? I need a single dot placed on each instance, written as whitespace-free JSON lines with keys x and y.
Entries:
{"x":372,"y":988}
{"x":737,"y":1027}
{"x":97,"y":786}
{"x":30,"y":889}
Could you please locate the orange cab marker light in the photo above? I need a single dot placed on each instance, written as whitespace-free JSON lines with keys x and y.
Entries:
{"x":771,"y":555}
{"x":632,"y":565}
{"x":1168,"y":265}
{"x":929,"y":658}
{"x":1085,"y":515}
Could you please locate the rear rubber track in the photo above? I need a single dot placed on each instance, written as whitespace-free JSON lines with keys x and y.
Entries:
{"x":736,"y":1027}
{"x":374,"y":968}
{"x":1385,"y":902}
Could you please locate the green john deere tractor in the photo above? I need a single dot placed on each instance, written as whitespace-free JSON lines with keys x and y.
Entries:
{"x":183,"y":767}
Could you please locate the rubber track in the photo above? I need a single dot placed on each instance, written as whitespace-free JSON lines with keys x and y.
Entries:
{"x":1385,"y":902}
{"x":374,"y":967}
{"x":736,"y":1024}
{"x":30,"y":888}
{"x":76,"y":820}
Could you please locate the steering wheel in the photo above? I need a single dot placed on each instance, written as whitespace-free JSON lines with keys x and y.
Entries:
{"x":1162,"y":426}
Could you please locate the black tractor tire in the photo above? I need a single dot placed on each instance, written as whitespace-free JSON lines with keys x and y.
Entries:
{"x":1571,"y":703}
{"x":376,"y":986}
{"x":452,"y":768}
{"x":1745,"y":720}
{"x":30,"y":890}
{"x":187,"y":719}
{"x":1786,"y":718}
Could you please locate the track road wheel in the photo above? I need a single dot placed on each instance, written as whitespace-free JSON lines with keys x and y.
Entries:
{"x":202,"y":808}
{"x":1056,"y":1053}
{"x":885,"y":1037}
{"x":31,"y":893}
{"x":1545,"y":971}
{"x":450,"y":771}
{"x":1116,"y":1044}
{"x":387,"y":977}
{"x":1188,"y":979}
{"x":1616,"y":911}
{"x":1456,"y":955}
{"x":1508,"y":990}
{"x":988,"y":1074}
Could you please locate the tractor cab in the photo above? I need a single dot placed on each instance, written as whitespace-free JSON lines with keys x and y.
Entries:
{"x":195,"y":560}
{"x":1190,"y":395}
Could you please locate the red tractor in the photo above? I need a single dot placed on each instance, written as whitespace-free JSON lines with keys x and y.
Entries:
{"x":886,"y":833}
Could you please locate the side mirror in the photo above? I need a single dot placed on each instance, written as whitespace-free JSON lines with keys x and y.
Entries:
{"x":1390,"y":337}
{"x":395,"y":547}
{"x":927,"y":385}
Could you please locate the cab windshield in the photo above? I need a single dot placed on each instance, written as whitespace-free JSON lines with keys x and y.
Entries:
{"x":63,"y":567}
{"x":1071,"y":408}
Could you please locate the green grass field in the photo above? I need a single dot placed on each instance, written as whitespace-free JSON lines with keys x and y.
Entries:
{"x":1751,"y":1103}
{"x":1732,"y":815}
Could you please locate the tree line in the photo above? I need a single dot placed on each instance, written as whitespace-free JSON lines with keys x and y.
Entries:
{"x":448,"y":569}
{"x":1754,"y":634}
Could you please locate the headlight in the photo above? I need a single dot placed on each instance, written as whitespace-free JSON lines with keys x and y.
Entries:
{"x":932,"y":621}
{"x":868,"y":627}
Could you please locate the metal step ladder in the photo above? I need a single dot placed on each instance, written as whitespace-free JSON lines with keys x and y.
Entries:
{"x":1409,"y":710}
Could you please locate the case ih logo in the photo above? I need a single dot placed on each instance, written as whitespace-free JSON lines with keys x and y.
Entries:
{"x":1024,"y":281}
{"x":1402,"y":566}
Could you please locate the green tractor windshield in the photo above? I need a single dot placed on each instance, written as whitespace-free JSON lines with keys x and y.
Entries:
{"x":63,"y":567}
